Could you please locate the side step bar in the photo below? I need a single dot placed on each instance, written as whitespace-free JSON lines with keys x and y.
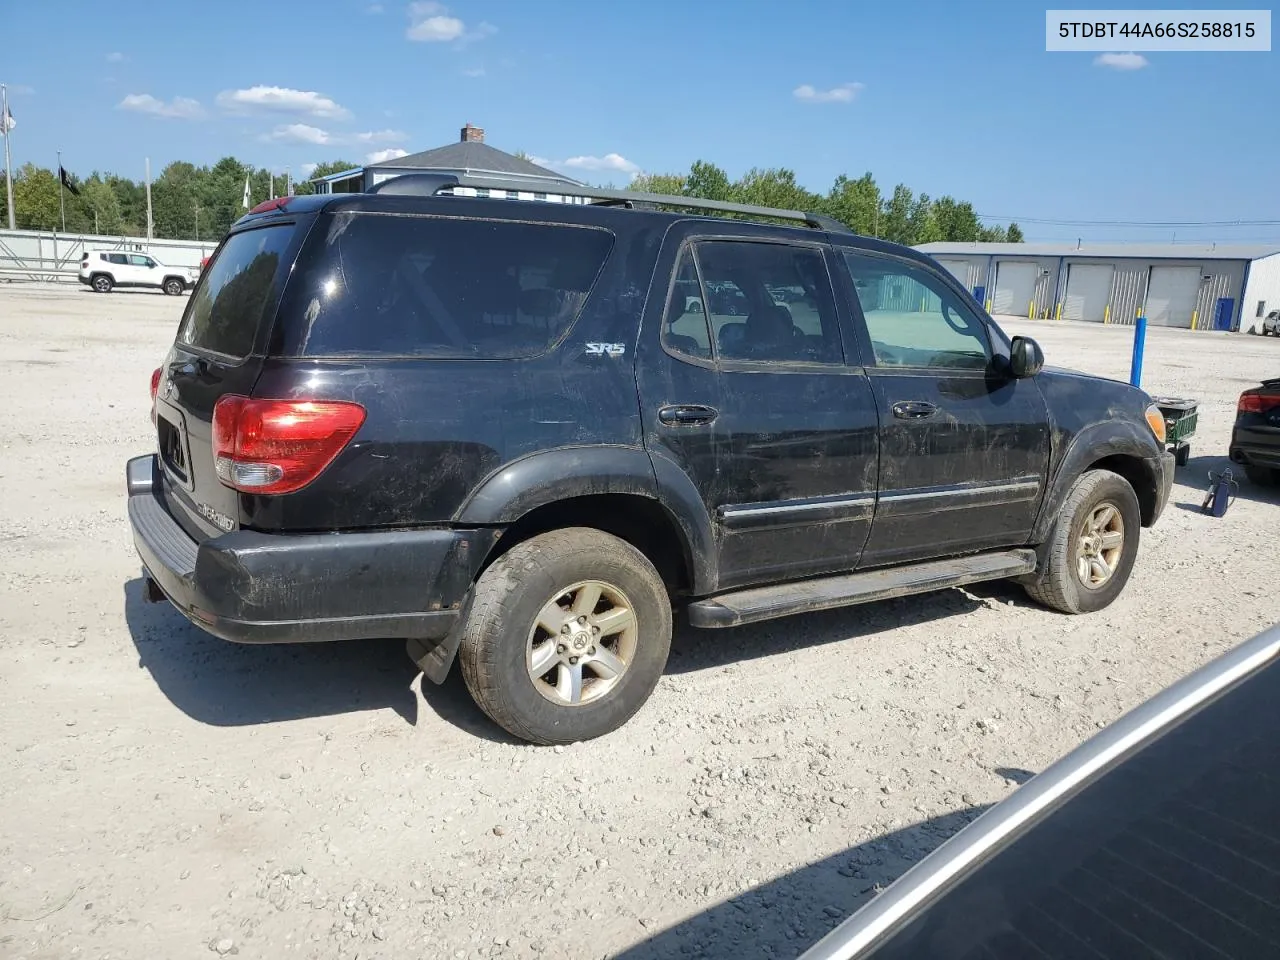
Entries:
{"x":766,"y":603}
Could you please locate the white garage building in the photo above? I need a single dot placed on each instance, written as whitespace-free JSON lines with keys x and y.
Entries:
{"x":1215,"y":287}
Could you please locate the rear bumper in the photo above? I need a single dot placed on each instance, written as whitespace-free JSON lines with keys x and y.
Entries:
{"x":252,"y":587}
{"x":1255,"y":447}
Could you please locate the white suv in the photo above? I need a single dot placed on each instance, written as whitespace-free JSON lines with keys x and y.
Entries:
{"x":104,"y":269}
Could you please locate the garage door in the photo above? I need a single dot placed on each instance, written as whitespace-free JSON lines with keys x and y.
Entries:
{"x":958,"y":269}
{"x":1088,"y":290}
{"x":1171,"y":295}
{"x":1015,"y":288}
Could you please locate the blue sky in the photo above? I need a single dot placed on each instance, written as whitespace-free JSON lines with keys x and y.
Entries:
{"x":950,"y":98}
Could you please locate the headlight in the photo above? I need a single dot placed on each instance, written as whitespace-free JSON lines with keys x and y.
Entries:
{"x":1155,"y":420}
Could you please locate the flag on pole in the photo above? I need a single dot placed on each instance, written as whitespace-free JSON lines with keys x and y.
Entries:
{"x":246,"y":192}
{"x":7,"y":122}
{"x":66,"y":182}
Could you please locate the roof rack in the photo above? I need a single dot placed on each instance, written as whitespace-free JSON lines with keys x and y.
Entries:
{"x":429,"y":184}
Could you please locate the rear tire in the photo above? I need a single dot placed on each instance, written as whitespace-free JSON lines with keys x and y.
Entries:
{"x":567,"y":635}
{"x":1092,"y":545}
{"x":172,"y":287}
{"x":1262,"y":476}
{"x":102,"y":283}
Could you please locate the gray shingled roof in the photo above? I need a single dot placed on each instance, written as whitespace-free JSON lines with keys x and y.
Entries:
{"x":474,"y":158}
{"x":1108,"y":251}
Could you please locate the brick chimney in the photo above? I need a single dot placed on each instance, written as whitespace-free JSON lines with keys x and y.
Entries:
{"x":472,"y":134}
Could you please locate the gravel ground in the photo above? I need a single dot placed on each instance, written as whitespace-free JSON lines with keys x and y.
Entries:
{"x":165,"y":793}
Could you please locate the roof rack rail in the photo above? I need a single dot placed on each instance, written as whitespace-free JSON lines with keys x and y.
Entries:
{"x":429,"y":184}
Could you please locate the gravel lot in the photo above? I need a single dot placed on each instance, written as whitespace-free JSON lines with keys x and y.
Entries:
{"x":165,"y":793}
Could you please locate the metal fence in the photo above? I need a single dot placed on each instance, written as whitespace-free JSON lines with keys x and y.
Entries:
{"x":43,"y":256}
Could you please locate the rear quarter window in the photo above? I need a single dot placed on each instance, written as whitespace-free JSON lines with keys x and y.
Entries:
{"x":237,"y":291}
{"x":372,"y":285}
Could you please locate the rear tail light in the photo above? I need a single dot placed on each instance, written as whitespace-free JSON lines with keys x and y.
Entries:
{"x":155,"y":389}
{"x":279,"y":446}
{"x":1257,"y":402}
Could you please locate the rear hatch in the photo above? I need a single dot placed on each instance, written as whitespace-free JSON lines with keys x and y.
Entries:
{"x":219,"y":350}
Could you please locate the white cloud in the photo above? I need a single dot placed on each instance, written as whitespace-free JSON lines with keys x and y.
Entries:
{"x":281,"y":100}
{"x":116,"y":57}
{"x":374,"y":8}
{"x":430,"y":22}
{"x":473,"y":72}
{"x":309,"y":168}
{"x":611,"y":162}
{"x":380,"y":136}
{"x":382,"y":156}
{"x":1121,"y":61}
{"x":21,"y":89}
{"x":844,"y":93}
{"x":180,"y":108}
{"x":299,"y":133}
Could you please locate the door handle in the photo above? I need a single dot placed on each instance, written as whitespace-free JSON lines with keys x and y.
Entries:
{"x":687,"y":414}
{"x":913,"y":409}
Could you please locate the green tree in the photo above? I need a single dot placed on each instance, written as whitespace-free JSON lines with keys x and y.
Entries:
{"x":35,"y":199}
{"x":668,"y":183}
{"x":774,"y":188}
{"x":957,"y":221}
{"x":174,"y":196}
{"x":992,"y":234}
{"x":102,"y":207}
{"x":1013,"y":234}
{"x":855,"y":203}
{"x":132,"y":198}
{"x":895,"y":216}
{"x":708,"y":181}
{"x":922,"y":225}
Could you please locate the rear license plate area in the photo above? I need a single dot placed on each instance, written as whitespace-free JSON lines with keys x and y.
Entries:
{"x":173,"y":451}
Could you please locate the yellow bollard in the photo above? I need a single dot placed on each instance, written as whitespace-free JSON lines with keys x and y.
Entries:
{"x":1057,"y":314}
{"x":988,"y":306}
{"x":1106,"y":314}
{"x":1195,"y":315}
{"x":1031,"y":310}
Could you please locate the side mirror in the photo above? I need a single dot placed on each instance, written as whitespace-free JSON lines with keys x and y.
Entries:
{"x":1025,"y":357}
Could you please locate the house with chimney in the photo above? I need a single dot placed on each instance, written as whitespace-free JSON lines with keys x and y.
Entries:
{"x":471,"y":157}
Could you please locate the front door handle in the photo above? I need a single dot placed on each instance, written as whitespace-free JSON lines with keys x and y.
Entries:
{"x":687,"y":414}
{"x":913,"y":409}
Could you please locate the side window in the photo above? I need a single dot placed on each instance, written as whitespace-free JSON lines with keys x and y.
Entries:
{"x":751,"y":318}
{"x":137,"y":260}
{"x":684,"y":328}
{"x":119,"y":258}
{"x":914,"y":319}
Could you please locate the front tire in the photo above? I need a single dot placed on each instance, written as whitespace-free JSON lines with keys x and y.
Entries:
{"x":1092,"y":546}
{"x":567,"y":635}
{"x":172,"y":287}
{"x":102,"y":284}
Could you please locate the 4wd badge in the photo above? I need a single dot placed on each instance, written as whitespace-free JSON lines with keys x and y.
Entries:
{"x":606,"y":349}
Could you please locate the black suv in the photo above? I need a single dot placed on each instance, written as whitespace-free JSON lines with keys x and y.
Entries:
{"x":524,"y":433}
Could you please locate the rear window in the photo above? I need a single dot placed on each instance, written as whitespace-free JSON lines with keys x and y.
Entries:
{"x":393,"y":285}
{"x":235,"y":292}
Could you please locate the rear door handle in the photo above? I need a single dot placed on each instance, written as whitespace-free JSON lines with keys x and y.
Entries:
{"x":913,"y":409}
{"x":687,"y":414}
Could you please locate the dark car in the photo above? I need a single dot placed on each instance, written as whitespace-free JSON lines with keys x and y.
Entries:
{"x":1155,"y":839}
{"x":1255,"y":439}
{"x":501,"y":430}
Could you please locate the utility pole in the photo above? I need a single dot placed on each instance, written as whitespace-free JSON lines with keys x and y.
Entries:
{"x":149,"y":223}
{"x":271,"y":177}
{"x":5,"y":124}
{"x":197,"y":223}
{"x":62,"y":207}
{"x":288,"y":180}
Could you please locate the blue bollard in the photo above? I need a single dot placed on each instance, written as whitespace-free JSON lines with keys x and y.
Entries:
{"x":1139,"y":343}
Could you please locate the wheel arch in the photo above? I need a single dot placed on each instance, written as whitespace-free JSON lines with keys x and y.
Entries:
{"x":1127,"y":449}
{"x":651,"y":504}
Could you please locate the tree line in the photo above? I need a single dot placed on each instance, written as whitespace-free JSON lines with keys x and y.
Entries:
{"x":201,"y":203}
{"x":902,"y":216}
{"x":187,"y":202}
